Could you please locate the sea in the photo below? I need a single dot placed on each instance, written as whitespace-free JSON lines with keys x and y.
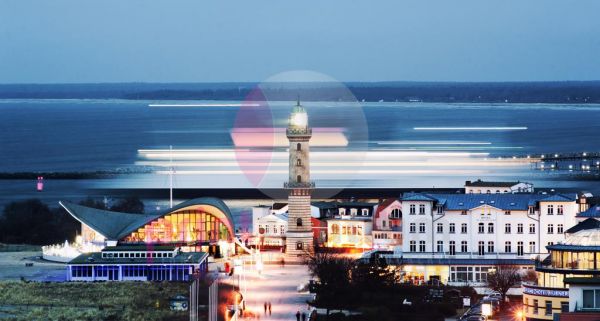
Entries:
{"x":233,"y":144}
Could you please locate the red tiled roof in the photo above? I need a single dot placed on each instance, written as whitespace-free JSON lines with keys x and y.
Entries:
{"x":383,"y":205}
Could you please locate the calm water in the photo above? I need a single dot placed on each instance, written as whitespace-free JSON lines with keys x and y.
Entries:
{"x":82,"y":135}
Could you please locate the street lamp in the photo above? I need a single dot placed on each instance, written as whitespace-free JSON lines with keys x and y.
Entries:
{"x":520,"y":315}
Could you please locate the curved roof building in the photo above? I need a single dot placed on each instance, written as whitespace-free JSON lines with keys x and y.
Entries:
{"x":200,"y":221}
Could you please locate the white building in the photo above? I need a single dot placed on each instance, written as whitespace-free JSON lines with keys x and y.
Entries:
{"x":485,"y":187}
{"x":352,"y":226}
{"x":457,"y":238}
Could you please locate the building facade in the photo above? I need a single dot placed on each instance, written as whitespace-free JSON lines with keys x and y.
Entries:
{"x":138,"y":263}
{"x":387,"y":225}
{"x":568,"y":278}
{"x":486,"y":187}
{"x":352,"y":226}
{"x":199,"y":225}
{"x":459,"y":238}
{"x":299,"y":237}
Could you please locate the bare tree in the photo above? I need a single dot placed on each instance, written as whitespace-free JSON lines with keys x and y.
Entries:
{"x":504,"y":278}
{"x":530,"y":276}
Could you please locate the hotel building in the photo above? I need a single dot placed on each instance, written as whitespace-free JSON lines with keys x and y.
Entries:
{"x":459,"y":238}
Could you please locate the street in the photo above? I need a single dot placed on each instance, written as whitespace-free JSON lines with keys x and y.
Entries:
{"x":277,"y":285}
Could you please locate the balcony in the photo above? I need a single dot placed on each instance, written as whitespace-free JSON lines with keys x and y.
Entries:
{"x":310,"y":184}
{"x":306,"y":131}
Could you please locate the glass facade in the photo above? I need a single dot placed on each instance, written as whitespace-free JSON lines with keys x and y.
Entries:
{"x":182,"y":227}
{"x":575,"y":260}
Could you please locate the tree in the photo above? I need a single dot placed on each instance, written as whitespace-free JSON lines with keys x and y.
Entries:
{"x":33,"y":222}
{"x":374,"y":274}
{"x":333,"y":275}
{"x":90,"y":202}
{"x":129,"y":205}
{"x":530,"y":276}
{"x":503,"y":278}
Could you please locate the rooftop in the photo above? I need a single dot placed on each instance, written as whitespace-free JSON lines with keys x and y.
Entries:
{"x":504,"y":201}
{"x":181,"y":258}
{"x":588,"y":224}
{"x":593,"y":211}
{"x":117,"y":225}
{"x":480,"y":183}
{"x":582,"y":280}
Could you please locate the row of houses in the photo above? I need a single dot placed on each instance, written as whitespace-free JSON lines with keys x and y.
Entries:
{"x":455,"y":238}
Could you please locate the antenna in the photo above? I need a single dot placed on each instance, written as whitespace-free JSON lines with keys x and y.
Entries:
{"x":170,"y":176}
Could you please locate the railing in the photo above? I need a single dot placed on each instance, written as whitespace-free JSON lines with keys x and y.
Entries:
{"x":307,"y":131}
{"x":310,"y":184}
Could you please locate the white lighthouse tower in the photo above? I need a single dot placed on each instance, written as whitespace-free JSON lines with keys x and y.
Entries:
{"x":299,"y":236}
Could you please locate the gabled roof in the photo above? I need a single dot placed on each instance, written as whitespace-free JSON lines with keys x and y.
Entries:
{"x":593,"y":211}
{"x":117,"y":225}
{"x":557,"y":198}
{"x":588,"y":224}
{"x":385,"y":204}
{"x":418,"y":197}
{"x":278,"y":206}
{"x":324,"y":205}
{"x":480,"y":183}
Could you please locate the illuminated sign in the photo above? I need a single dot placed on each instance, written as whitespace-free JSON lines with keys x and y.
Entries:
{"x":546,"y":292}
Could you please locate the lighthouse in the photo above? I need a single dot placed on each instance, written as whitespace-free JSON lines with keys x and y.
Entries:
{"x":299,"y":236}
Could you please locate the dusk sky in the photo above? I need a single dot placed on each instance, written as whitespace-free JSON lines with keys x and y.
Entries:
{"x":218,"y":41}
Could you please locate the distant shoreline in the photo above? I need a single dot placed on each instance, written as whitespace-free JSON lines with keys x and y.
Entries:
{"x":554,"y":92}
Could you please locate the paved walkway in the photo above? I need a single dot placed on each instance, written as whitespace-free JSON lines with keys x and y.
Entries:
{"x":276,"y":285}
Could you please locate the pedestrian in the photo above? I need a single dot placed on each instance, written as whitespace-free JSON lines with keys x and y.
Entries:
{"x":265,"y":308}
{"x":269,"y":307}
{"x":298,"y":315}
{"x":303,"y":316}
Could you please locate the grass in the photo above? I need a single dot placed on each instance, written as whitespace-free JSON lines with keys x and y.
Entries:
{"x":19,"y":248}
{"x":90,"y":301}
